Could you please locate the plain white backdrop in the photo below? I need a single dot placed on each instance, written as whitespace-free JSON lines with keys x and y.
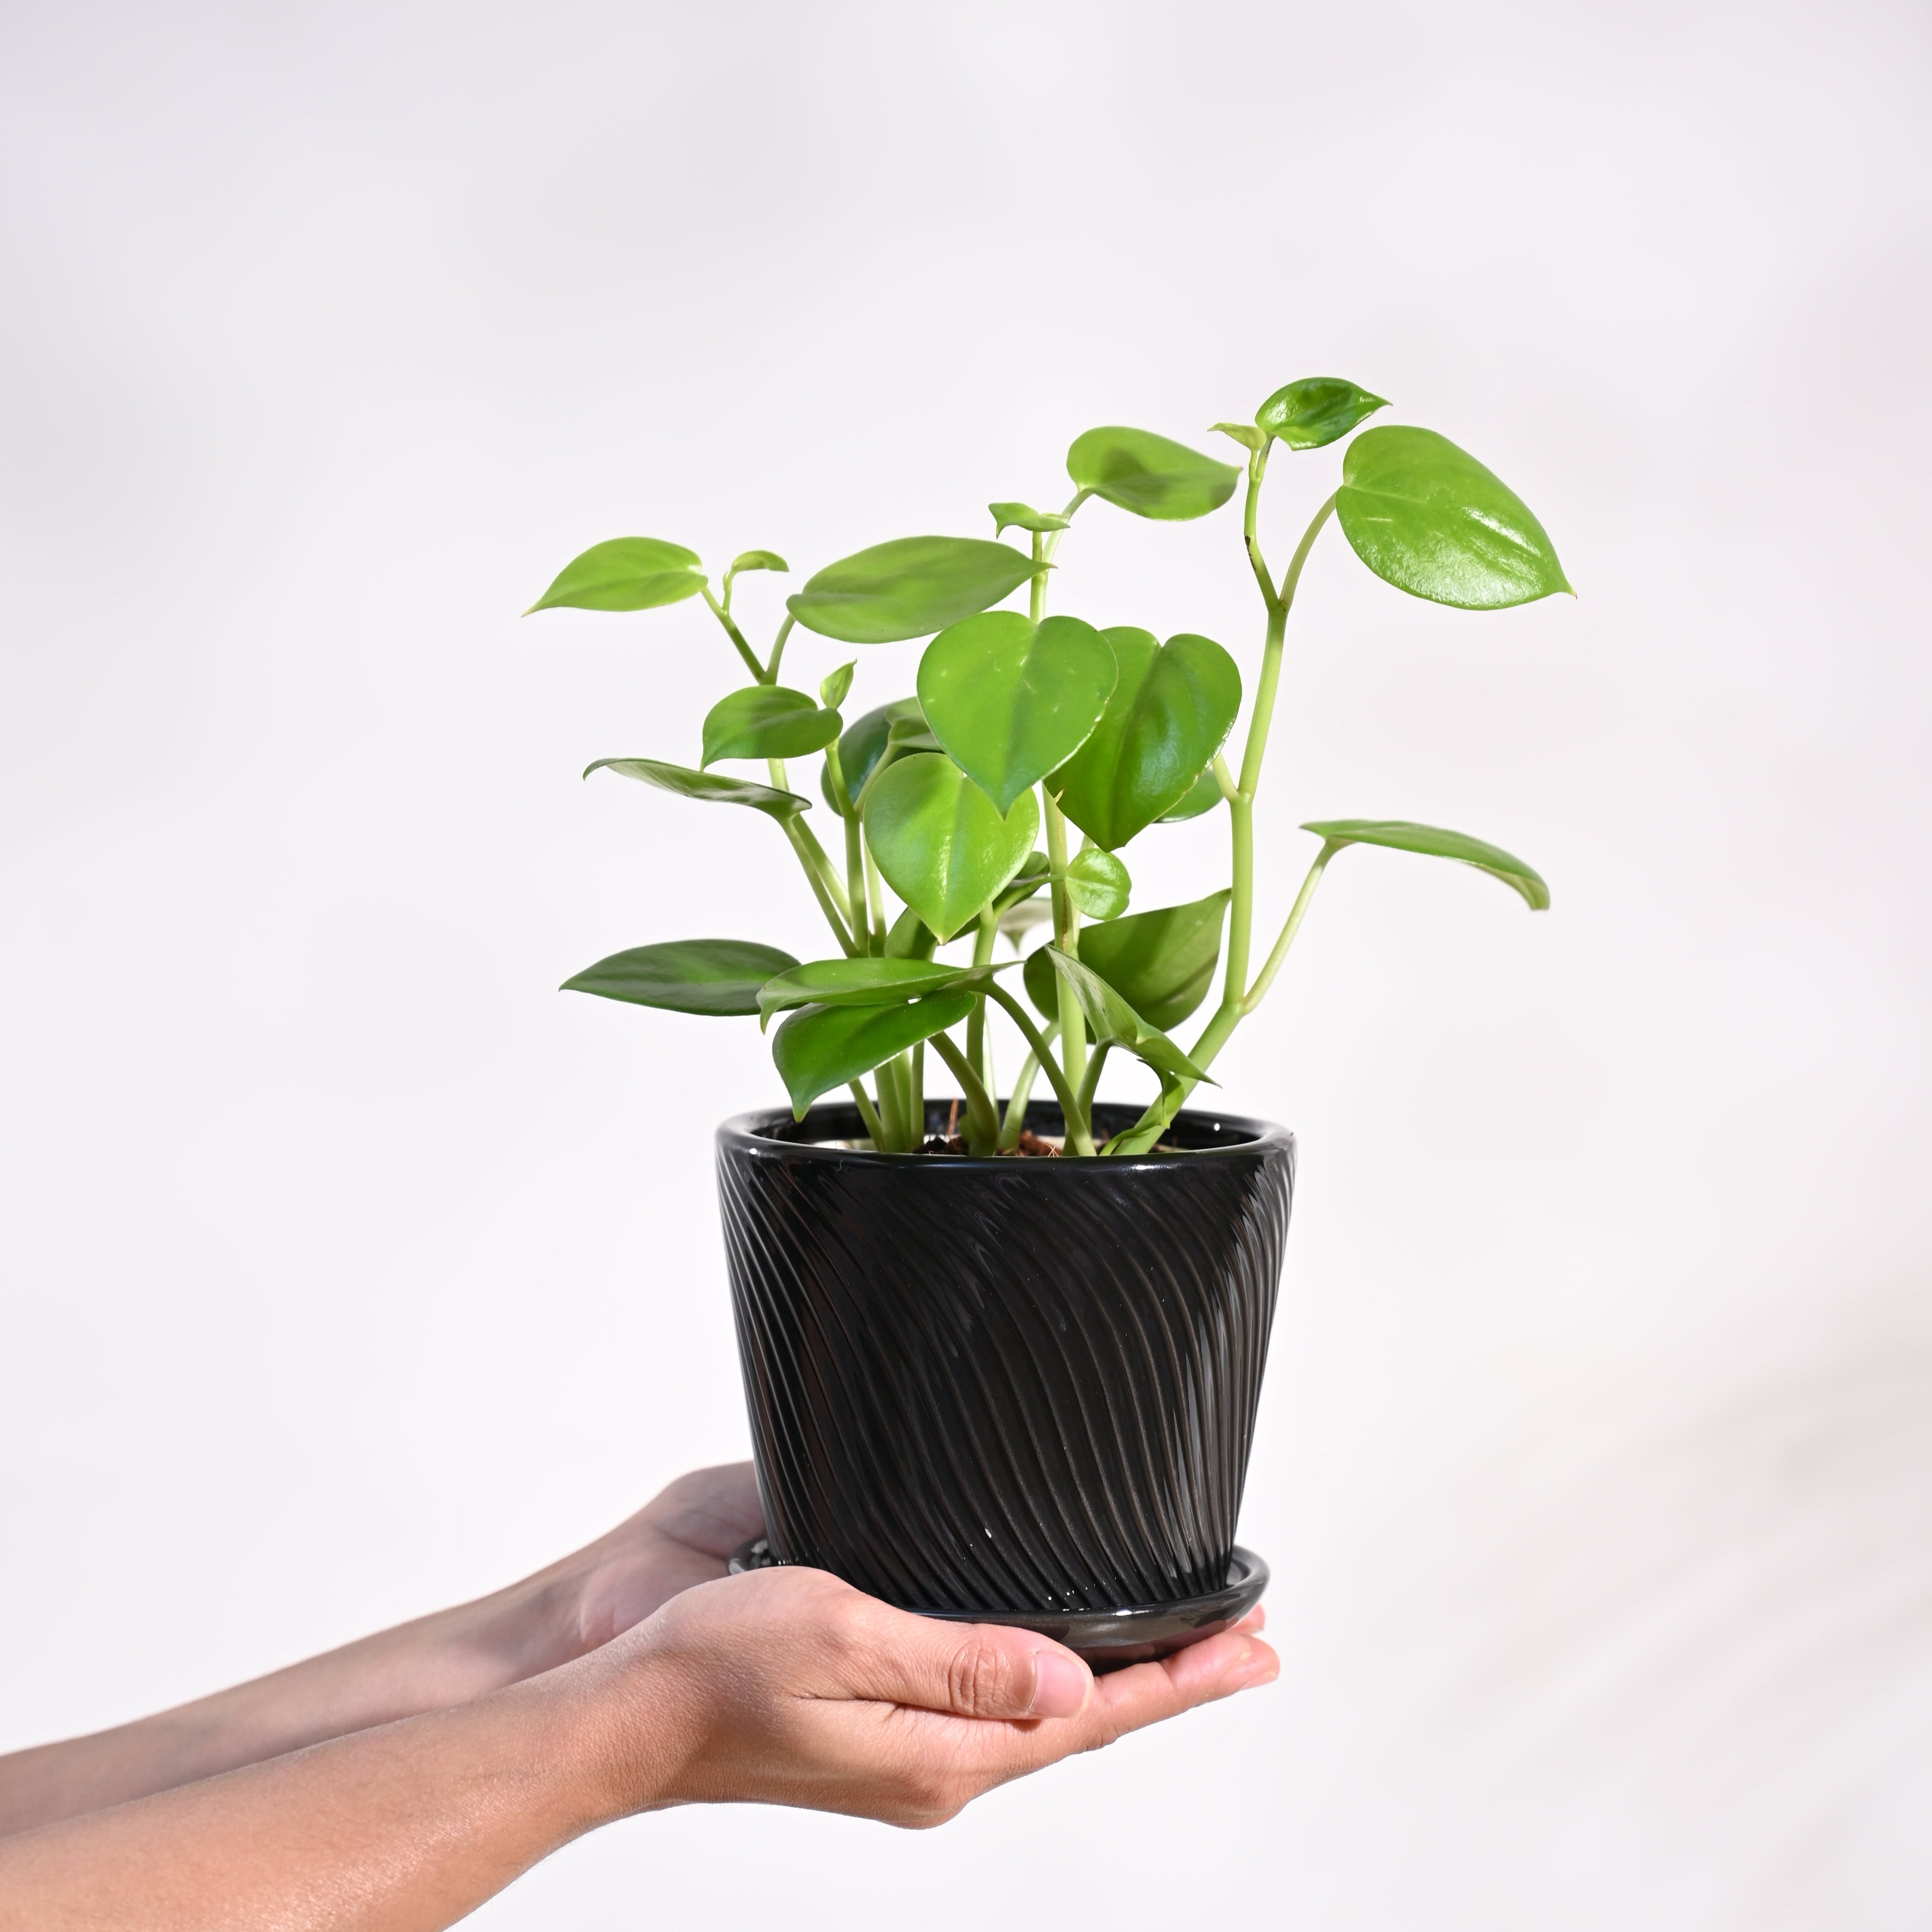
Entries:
{"x":347,"y":1268}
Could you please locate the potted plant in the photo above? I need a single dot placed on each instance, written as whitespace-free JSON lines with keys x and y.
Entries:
{"x":1002,"y":1354}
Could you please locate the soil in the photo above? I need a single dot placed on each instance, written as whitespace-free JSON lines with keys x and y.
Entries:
{"x":1030,"y":1144}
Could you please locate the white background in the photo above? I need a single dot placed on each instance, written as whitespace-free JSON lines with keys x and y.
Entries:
{"x":349,"y":1268}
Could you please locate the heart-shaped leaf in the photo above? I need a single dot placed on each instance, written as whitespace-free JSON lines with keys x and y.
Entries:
{"x":1161,"y":963}
{"x":939,"y":840}
{"x":1204,"y":795}
{"x":819,"y":1048}
{"x":626,"y":574}
{"x":867,"y":982}
{"x":1037,"y":871}
{"x":1170,"y":711}
{"x":1098,"y":884}
{"x":1429,"y":518}
{"x":1316,"y":410}
{"x":766,"y":721}
{"x":1009,"y":699}
{"x":1115,"y":1021}
{"x":1024,"y":517}
{"x":1148,"y":475}
{"x":834,"y":686}
{"x":708,"y":786}
{"x":687,"y":976}
{"x":909,"y":588}
{"x":880,"y":735}
{"x":1401,"y":835}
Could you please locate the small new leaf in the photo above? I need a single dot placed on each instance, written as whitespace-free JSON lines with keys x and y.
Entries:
{"x":766,"y":721}
{"x":1098,"y":884}
{"x":1316,"y":410}
{"x":1400,"y":835}
{"x":831,"y":692}
{"x":708,"y":786}
{"x":686,"y":976}
{"x":1246,"y":434}
{"x":626,"y":574}
{"x":1023,"y":516}
{"x":757,"y":560}
{"x":1149,"y":475}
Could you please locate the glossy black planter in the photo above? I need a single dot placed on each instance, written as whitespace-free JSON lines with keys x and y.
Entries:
{"x":1022,"y":1386}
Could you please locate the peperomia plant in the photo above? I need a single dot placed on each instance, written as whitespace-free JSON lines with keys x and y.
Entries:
{"x":1026,"y":723}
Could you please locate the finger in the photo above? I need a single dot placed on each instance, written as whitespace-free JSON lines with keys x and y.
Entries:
{"x":965,"y":1670}
{"x":712,"y":1510}
{"x":1128,"y":1700}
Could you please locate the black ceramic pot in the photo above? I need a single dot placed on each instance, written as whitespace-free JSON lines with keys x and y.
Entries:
{"x":1025,"y":1386}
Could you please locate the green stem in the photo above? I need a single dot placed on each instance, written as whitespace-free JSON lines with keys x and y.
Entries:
{"x":983,"y":1118}
{"x":737,"y":637}
{"x":1079,"y":1138}
{"x":875,"y":902}
{"x":1258,"y":991}
{"x":874,"y":1125}
{"x":1257,"y":469}
{"x":891,"y":1107}
{"x":1066,"y":937}
{"x":1016,"y":1102}
{"x":771,"y":675}
{"x":1090,"y":1085}
{"x":977,"y":1050}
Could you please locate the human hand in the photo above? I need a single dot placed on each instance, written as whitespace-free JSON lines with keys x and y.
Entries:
{"x":787,"y":1686}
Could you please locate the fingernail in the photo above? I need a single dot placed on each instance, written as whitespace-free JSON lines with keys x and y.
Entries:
{"x":1257,"y":1668}
{"x":1059,"y":1684}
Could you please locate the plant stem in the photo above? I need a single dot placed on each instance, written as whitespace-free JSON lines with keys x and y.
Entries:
{"x":1258,"y":991}
{"x":978,"y":1049}
{"x":778,"y":649}
{"x":982,"y":1119}
{"x":916,"y":1084}
{"x":1078,"y":1136}
{"x":875,"y":901}
{"x":1090,"y":1085}
{"x":1066,"y":937}
{"x":1016,"y":1103}
{"x":874,"y":1125}
{"x":737,"y":636}
{"x":1257,"y":469}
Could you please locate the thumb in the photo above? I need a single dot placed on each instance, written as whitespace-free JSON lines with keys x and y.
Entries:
{"x":969,"y":1670}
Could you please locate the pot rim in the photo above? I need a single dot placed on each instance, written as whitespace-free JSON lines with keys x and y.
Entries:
{"x":743,"y":1132}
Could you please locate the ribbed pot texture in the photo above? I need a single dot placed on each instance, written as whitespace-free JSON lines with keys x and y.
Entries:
{"x":1006,"y":1384}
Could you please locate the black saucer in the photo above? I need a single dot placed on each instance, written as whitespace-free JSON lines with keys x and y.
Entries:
{"x":1105,"y":1639}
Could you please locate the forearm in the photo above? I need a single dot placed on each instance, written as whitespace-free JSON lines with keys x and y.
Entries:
{"x":428,"y":1665}
{"x":403,"y":1828}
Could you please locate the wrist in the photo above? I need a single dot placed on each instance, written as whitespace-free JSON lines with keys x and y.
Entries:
{"x":631,"y":1725}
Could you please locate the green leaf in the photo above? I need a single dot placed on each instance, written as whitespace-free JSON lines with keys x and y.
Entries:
{"x":940,"y":842}
{"x":1246,"y":434}
{"x":822,"y":1047}
{"x":1113,"y":1020}
{"x":1025,"y":516}
{"x":1162,"y":962}
{"x":1035,"y":873}
{"x":757,"y":560}
{"x":1316,"y":410}
{"x":1429,"y":518}
{"x":910,"y":937}
{"x":832,"y":691}
{"x":909,"y":588}
{"x":766,"y":721}
{"x":1009,"y":699}
{"x":1400,"y":835}
{"x":1148,"y":475}
{"x":1171,"y":710}
{"x":626,"y":574}
{"x":1204,"y":796}
{"x":687,"y":976}
{"x":1098,"y":884}
{"x":867,"y":982}
{"x":706,"y":785}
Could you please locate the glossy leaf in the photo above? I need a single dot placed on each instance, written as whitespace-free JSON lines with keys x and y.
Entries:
{"x":1170,"y":710}
{"x":1009,"y":699}
{"x":626,"y":574}
{"x":709,"y":786}
{"x":910,"y":937}
{"x":909,"y":588}
{"x":1162,"y":963}
{"x":766,"y":721}
{"x":1401,"y":835}
{"x":939,"y":841}
{"x":1148,"y":475}
{"x":686,"y":976}
{"x":833,"y":688}
{"x":1429,"y":518}
{"x":1204,"y":794}
{"x":1098,"y":884}
{"x":1024,"y":517}
{"x":867,"y":982}
{"x":821,"y":1048}
{"x":1316,"y":410}
{"x":1112,"y":1019}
